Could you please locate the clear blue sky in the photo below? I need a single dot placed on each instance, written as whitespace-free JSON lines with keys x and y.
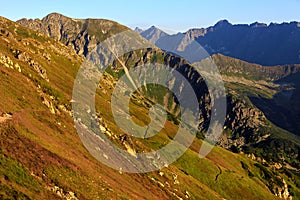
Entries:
{"x":175,"y":15}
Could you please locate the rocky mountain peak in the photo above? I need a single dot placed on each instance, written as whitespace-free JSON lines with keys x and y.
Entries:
{"x":222,"y":23}
{"x":257,"y":25}
{"x":153,"y":34}
{"x":81,"y":34}
{"x":54,"y":15}
{"x":139,"y":30}
{"x":194,"y":33}
{"x":153,"y":28}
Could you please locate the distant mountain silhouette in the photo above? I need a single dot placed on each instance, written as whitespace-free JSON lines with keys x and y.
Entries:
{"x":273,"y":44}
{"x":152,"y":34}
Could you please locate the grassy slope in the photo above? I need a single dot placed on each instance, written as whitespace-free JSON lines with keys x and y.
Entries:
{"x":40,"y":149}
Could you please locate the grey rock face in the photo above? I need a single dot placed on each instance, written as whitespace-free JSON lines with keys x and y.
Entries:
{"x":81,"y":34}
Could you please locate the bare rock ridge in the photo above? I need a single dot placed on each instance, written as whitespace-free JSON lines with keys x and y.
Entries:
{"x":229,"y":65}
{"x":81,"y":34}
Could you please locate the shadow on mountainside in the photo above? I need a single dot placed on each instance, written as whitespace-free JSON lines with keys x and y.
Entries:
{"x":284,"y":108}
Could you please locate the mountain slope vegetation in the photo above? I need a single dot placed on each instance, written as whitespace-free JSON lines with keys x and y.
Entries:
{"x":42,"y":156}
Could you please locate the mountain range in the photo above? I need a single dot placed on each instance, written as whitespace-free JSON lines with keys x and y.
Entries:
{"x":42,"y":156}
{"x":273,"y":44}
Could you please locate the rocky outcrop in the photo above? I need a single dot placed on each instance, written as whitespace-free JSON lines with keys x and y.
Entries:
{"x":242,"y":125}
{"x":282,"y":192}
{"x":280,"y":189}
{"x":82,"y":35}
{"x":23,"y":56}
{"x":7,"y":62}
{"x":5,"y":116}
{"x":68,"y":195}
